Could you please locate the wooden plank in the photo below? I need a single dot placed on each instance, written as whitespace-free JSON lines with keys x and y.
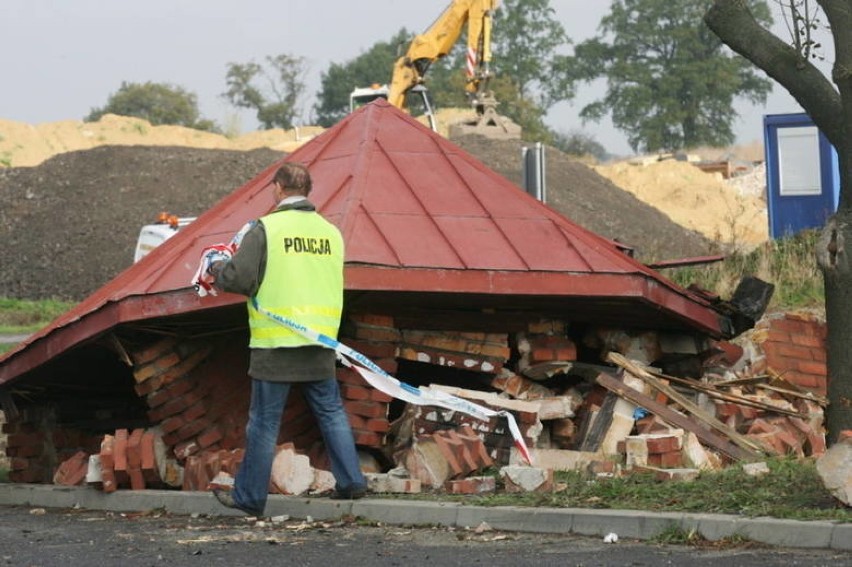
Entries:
{"x":670,"y":416}
{"x":734,"y":399}
{"x":803,"y":395}
{"x":686,"y":404}
{"x":592,"y":439}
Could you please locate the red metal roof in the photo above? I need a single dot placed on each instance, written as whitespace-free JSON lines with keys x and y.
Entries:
{"x":418,"y":214}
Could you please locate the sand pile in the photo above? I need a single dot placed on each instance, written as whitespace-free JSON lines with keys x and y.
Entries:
{"x":694,"y":199}
{"x":26,"y":145}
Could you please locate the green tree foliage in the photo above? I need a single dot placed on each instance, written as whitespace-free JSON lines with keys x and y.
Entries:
{"x":580,"y":144}
{"x":273,"y":90}
{"x":671,"y":82}
{"x":158,"y":103}
{"x":374,"y":66}
{"x":526,"y":43}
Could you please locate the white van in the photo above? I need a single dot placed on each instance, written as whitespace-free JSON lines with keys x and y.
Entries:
{"x":152,"y":235}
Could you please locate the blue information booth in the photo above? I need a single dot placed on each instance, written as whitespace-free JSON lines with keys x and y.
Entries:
{"x":802,"y":174}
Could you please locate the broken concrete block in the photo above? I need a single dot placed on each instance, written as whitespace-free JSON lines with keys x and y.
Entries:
{"x":472,"y":485}
{"x":425,"y":462}
{"x":835,"y":469}
{"x":526,"y":479}
{"x":671,"y":474}
{"x":292,"y":473}
{"x":93,"y":471}
{"x":636,"y":451}
{"x":755,"y":469}
{"x":72,"y":471}
{"x":389,"y":483}
{"x":696,"y":456}
{"x":168,"y":469}
{"x":323,"y":482}
{"x":557,"y":459}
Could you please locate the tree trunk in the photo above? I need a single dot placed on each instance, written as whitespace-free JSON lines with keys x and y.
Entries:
{"x":830,"y":107}
{"x":834,"y":261}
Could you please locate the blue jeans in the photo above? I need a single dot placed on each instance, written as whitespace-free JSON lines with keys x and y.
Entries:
{"x":251,"y":487}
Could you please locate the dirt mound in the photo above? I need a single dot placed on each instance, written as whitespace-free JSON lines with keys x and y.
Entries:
{"x":694,"y":199}
{"x":71,"y":224}
{"x":594,"y":202}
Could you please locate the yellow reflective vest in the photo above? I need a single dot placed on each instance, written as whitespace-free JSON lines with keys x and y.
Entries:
{"x":303,"y":280}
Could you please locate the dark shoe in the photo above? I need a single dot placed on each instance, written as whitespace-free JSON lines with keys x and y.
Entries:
{"x":353,"y":493}
{"x":226,"y":499}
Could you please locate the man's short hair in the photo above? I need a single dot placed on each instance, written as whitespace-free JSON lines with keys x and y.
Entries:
{"x":293,"y":177}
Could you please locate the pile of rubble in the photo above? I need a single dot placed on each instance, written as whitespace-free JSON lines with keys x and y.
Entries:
{"x":730,"y":402}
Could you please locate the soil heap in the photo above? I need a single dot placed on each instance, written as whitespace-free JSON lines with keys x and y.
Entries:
{"x":70,"y":222}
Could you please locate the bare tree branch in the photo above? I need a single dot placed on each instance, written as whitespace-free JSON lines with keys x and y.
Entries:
{"x":734,"y":24}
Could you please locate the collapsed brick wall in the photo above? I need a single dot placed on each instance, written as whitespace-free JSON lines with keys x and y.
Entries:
{"x":197,"y":397}
{"x":794,"y":347}
{"x":36,"y":446}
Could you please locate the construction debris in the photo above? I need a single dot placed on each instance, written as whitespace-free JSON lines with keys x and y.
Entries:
{"x":759,"y":396}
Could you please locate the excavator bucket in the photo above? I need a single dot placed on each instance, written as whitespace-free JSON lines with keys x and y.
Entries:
{"x":487,"y":122}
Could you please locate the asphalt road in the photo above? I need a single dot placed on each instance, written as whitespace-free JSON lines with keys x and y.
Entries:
{"x":12,"y":339}
{"x":38,"y":537}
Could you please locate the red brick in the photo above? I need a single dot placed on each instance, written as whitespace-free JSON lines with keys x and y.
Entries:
{"x":778,"y":336}
{"x":350,"y":376}
{"x":209,"y":436}
{"x":379,"y":425}
{"x":372,"y":319}
{"x":149,"y":462}
{"x":669,"y":460}
{"x":24,"y":439}
{"x":172,"y":424}
{"x":449,"y":451}
{"x":378,"y":334}
{"x":662,"y":444}
{"x":808,"y":340}
{"x":844,"y":435}
{"x":366,"y":409}
{"x":150,"y":353}
{"x":379,"y":396}
{"x":186,"y":365}
{"x":191,"y":429}
{"x":194,"y":412}
{"x":789,"y":325}
{"x":370,"y":349}
{"x":120,"y":456}
{"x":134,"y":449}
{"x":353,"y":392}
{"x":173,"y":390}
{"x":156,"y":367}
{"x":793,"y":351}
{"x":174,"y":406}
{"x":137,"y":479}
{"x":367,"y":438}
{"x":813,"y":367}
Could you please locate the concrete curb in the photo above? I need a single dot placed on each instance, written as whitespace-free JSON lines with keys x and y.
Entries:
{"x":626,"y":523}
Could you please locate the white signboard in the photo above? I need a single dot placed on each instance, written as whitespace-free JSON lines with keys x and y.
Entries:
{"x":798,"y":161}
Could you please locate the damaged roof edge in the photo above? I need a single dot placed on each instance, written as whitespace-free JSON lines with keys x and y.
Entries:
{"x":56,"y":339}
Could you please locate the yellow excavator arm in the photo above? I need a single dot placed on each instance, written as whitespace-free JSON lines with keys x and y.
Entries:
{"x":438,"y":40}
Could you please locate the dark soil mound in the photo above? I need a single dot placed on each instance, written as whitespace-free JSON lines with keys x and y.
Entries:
{"x":70,"y":224}
{"x":594,"y":202}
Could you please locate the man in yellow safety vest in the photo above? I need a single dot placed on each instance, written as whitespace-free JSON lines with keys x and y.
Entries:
{"x":291,"y":262}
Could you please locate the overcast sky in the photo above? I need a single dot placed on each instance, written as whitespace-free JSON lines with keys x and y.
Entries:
{"x":61,"y":58}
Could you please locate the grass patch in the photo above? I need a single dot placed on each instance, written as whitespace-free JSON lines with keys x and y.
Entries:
{"x":26,"y":316}
{"x":4,"y":475}
{"x":789,"y":263}
{"x":791,"y":490}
